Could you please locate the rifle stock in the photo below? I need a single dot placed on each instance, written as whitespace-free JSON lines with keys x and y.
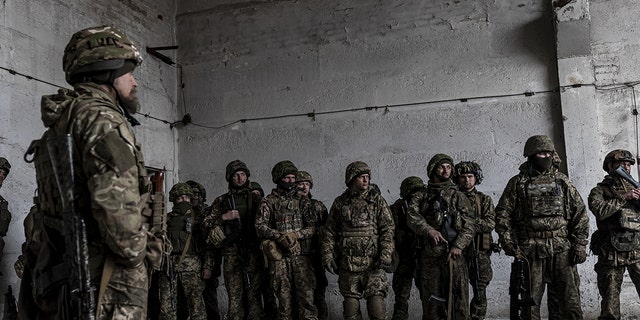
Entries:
{"x":520,"y":289}
{"x":79,"y":294}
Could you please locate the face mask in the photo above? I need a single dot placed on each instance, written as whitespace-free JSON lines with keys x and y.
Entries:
{"x":541,"y":164}
{"x":181,"y":207}
{"x":287,"y":186}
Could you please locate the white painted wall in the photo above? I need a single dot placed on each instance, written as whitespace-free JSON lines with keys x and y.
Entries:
{"x":33,"y":34}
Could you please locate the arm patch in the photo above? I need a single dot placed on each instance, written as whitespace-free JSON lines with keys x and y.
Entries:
{"x":115,"y":152}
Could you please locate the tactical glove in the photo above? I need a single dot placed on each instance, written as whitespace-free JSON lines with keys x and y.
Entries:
{"x":289,"y":241}
{"x":510,"y":249}
{"x":329,"y":264}
{"x":577,"y":254}
{"x":216,"y":237}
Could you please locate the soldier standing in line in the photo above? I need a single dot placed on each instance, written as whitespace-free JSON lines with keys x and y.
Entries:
{"x":287,"y":226}
{"x":186,"y":264}
{"x":406,"y":243}
{"x":230,"y":226}
{"x":614,"y":203}
{"x":541,"y":217}
{"x":211,"y":259}
{"x":359,"y":232}
{"x":468,"y":175}
{"x":110,"y":186}
{"x":5,"y":215}
{"x":304,"y":182}
{"x":441,"y":215}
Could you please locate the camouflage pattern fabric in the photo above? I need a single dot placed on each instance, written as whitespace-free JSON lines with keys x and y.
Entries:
{"x":406,"y":246}
{"x":111,"y":187}
{"x":319,"y":298}
{"x":360,"y":232}
{"x":423,"y":217}
{"x":5,"y":219}
{"x":484,"y":215}
{"x":606,"y":202}
{"x":187,"y":281}
{"x":542,"y":216}
{"x":211,"y":260}
{"x":242,"y":257}
{"x":292,"y":277}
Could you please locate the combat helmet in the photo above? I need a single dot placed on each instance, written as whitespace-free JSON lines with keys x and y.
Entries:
{"x":536,"y":144}
{"x":282,"y":169}
{"x":5,"y":165}
{"x":409,"y":184}
{"x":99,"y":54}
{"x":617,"y":155}
{"x":304,"y":176}
{"x":235,"y":166}
{"x":179,"y":189}
{"x":355,"y":169}
{"x":436,"y":161}
{"x":465,"y":167}
{"x":198,"y":188}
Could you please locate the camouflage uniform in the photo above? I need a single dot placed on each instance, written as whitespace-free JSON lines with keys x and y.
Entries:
{"x":359,"y":232}
{"x":211,"y":258}
{"x":442,"y":208}
{"x":243,"y":267}
{"x":484,"y":215}
{"x":617,"y":247}
{"x":111,"y":186}
{"x":186,"y":262}
{"x":541,"y":216}
{"x":5,"y":215}
{"x":321,"y":213}
{"x":406,"y":244}
{"x":286,"y":219}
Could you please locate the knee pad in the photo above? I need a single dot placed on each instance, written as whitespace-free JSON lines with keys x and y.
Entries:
{"x":351,"y":309}
{"x":377,"y":308}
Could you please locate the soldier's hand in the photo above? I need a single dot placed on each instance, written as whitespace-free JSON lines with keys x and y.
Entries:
{"x":330,"y":264}
{"x":578,"y":254}
{"x":510,"y":249}
{"x":206,"y":274}
{"x":455,"y":252}
{"x":437,"y":237}
{"x":19,"y":266}
{"x":386,"y":265}
{"x":231,"y":215}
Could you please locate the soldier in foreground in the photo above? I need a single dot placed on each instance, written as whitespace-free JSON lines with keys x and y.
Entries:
{"x":287,"y":225}
{"x":468,"y":175}
{"x":230,"y":226}
{"x":110,"y":189}
{"x":441,"y":215}
{"x":186,"y":265}
{"x":614,"y":203}
{"x":304,"y":182}
{"x":359,"y":232}
{"x":406,"y":243}
{"x":5,"y":215}
{"x":542,"y":218}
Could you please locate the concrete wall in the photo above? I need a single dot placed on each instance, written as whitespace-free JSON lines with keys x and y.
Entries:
{"x":33,"y":34}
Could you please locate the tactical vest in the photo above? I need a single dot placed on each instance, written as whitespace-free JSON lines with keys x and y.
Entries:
{"x":179,"y":227}
{"x":544,"y":197}
{"x":359,"y":247}
{"x":434,"y":207}
{"x":243,"y":203}
{"x":288,"y":218}
{"x":621,"y":239}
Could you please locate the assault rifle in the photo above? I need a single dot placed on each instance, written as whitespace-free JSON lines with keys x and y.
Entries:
{"x":79,"y":297}
{"x":167,"y":263}
{"x":237,"y":238}
{"x":475,"y":266}
{"x":520,"y":289}
{"x":10,"y":308}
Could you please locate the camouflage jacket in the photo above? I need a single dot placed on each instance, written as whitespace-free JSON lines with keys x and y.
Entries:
{"x":406,"y":241}
{"x":359,"y":230}
{"x":424,"y":217}
{"x":282,"y":212}
{"x":541,"y":213}
{"x":5,"y":217}
{"x":110,"y":177}
{"x":485,"y":217}
{"x":247,"y":204}
{"x":606,"y":202}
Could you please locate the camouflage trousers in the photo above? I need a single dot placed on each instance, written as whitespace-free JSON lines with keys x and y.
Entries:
{"x":435,"y":278}
{"x":563,"y":283}
{"x":403,"y":280}
{"x":187,"y":280}
{"x":484,"y":274}
{"x":609,"y":284}
{"x":319,"y":298}
{"x":210,"y":296}
{"x":243,"y":281}
{"x":293,"y":280}
{"x":371,"y":285}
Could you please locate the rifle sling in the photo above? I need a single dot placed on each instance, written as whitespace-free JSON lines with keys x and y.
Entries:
{"x":107,"y":270}
{"x":186,"y":246}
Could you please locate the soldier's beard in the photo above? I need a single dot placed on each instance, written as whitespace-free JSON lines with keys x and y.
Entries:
{"x":131,"y":102}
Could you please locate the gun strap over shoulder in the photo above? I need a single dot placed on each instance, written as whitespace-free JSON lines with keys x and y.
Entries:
{"x":107,"y":270}
{"x":186,"y":246}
